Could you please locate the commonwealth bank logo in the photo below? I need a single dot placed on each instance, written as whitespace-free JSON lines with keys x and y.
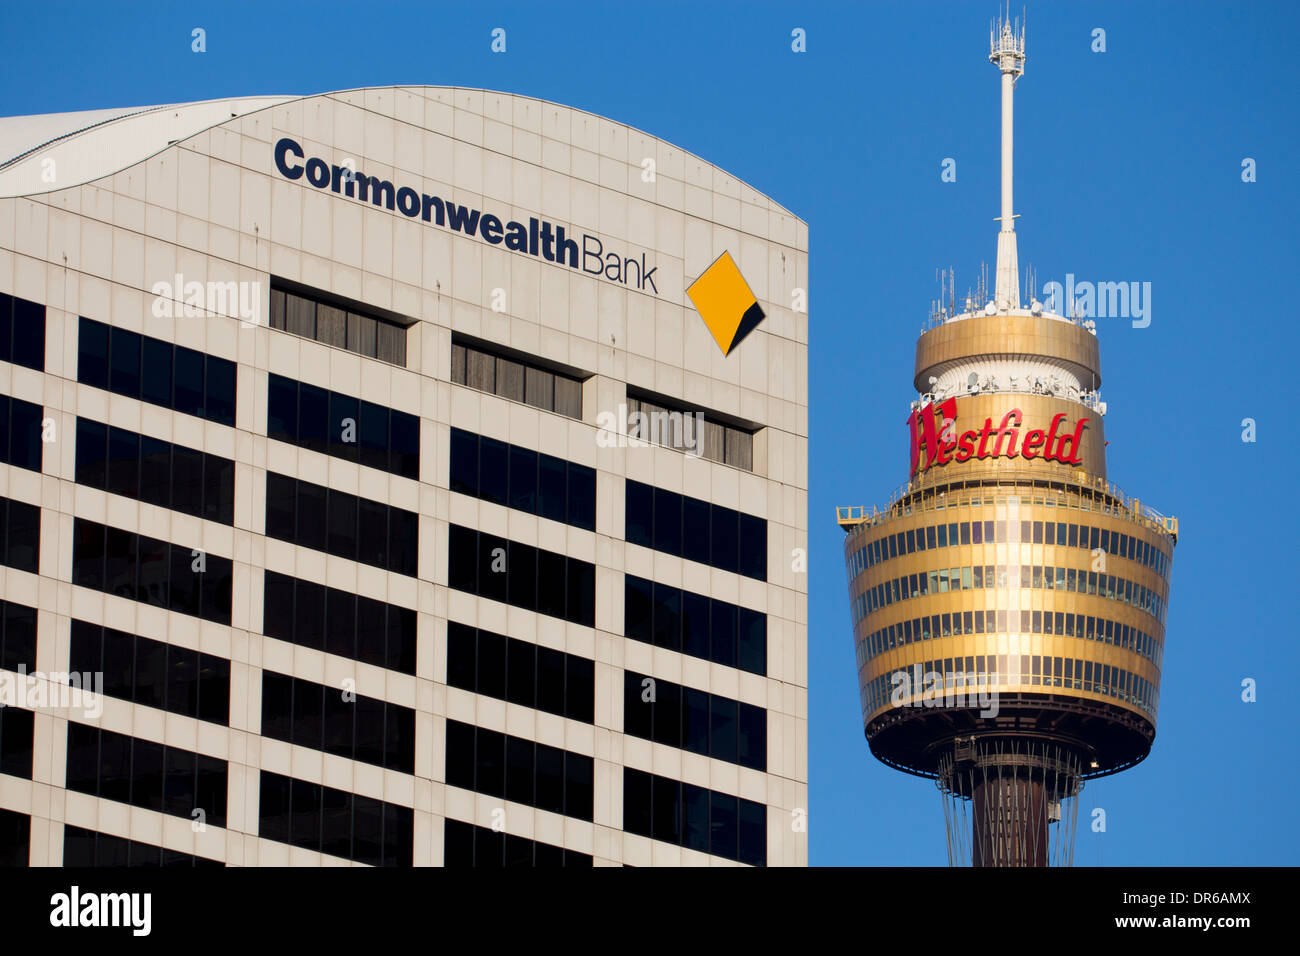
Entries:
{"x":725,"y":303}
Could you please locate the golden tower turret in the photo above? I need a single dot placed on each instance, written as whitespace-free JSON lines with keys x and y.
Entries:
{"x":1009,"y":603}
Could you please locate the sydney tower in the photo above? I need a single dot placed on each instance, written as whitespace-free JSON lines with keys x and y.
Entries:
{"x":1009,"y":604}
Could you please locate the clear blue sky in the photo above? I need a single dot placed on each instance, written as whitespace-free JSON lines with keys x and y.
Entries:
{"x":1128,"y":167}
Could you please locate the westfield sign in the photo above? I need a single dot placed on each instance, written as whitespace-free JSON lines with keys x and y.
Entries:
{"x":934,"y":430}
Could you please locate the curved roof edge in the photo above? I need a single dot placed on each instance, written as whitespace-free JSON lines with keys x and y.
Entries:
{"x":46,"y":152}
{"x":39,"y":154}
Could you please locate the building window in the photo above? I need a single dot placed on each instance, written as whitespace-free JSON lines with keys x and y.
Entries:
{"x":519,"y":574}
{"x":343,"y":426}
{"x":464,"y":844}
{"x":519,"y":770}
{"x":481,"y":367}
{"x":335,"y":822}
{"x":20,"y":433}
{"x":695,"y":431}
{"x":15,"y":838}
{"x":522,"y":479}
{"x":145,"y":774}
{"x":693,"y":624}
{"x":358,"y":529}
{"x":22,"y":332}
{"x":339,"y":622}
{"x":139,"y":568}
{"x":20,"y":536}
{"x":1054,"y":533}
{"x":88,"y":848}
{"x":155,"y":371}
{"x":17,"y":636}
{"x":696,"y":530}
{"x":337,"y":322}
{"x":332,"y":720}
{"x":154,"y":471}
{"x":522,"y":673}
{"x":707,"y":724}
{"x":16,"y":730}
{"x":152,"y":673}
{"x":695,"y":818}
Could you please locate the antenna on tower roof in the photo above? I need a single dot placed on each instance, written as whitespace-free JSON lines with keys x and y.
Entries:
{"x":1007,"y":53}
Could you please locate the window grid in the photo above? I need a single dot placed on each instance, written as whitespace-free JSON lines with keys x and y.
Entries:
{"x":520,"y":672}
{"x":152,"y":370}
{"x":351,"y":328}
{"x":338,"y":622}
{"x":156,"y":472}
{"x":477,"y":367}
{"x":343,"y":426}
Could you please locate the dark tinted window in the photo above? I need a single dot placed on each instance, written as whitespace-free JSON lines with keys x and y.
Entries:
{"x":170,"y":575}
{"x":342,"y":426}
{"x":99,"y":763}
{"x":338,"y":523}
{"x":520,"y":672}
{"x":155,"y":471}
{"x":541,"y":581}
{"x":336,"y":822}
{"x":347,"y":725}
{"x":694,"y":624}
{"x":467,"y":845}
{"x":88,"y":848}
{"x":695,"y":529}
{"x":339,"y":622}
{"x":545,"y":777}
{"x":705,"y":820}
{"x":20,"y":433}
{"x":20,"y":537}
{"x":154,"y":370}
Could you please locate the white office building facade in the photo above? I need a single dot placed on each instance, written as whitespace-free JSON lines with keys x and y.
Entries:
{"x":376,"y":493}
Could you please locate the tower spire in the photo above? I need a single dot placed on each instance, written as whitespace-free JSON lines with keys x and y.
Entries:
{"x":1007,"y":53}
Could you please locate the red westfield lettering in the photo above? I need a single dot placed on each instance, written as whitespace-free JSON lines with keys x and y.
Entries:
{"x":934,"y":433}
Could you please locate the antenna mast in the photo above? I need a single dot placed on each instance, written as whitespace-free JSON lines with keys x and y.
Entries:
{"x":1007,"y":53}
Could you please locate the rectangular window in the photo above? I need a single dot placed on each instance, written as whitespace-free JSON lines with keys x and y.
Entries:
{"x":656,"y":518}
{"x":140,"y":568}
{"x":335,"y":321}
{"x":151,"y":672}
{"x":695,"y":625}
{"x":20,"y":433}
{"x":178,"y":782}
{"x":20,"y":536}
{"x":16,"y":740}
{"x":152,"y":370}
{"x":341,"y":524}
{"x":467,"y":845}
{"x":693,"y":817}
{"x":479,"y":366}
{"x":694,"y":720}
{"x":154,"y":471}
{"x":500,"y":765}
{"x":655,"y":419}
{"x":539,"y":484}
{"x":520,"y":672}
{"x":539,"y":580}
{"x":335,"y":822}
{"x":22,"y":333}
{"x":347,"y":725}
{"x":88,"y":848}
{"x":342,"y":426}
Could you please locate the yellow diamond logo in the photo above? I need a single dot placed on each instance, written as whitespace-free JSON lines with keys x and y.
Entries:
{"x":725,"y":303}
